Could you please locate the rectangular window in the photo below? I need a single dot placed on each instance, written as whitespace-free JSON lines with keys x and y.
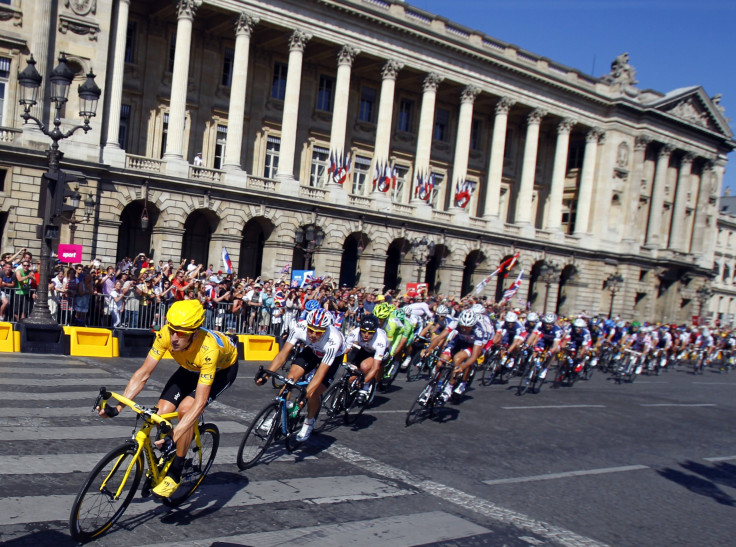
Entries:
{"x":220,"y":145}
{"x":172,"y":51}
{"x":124,"y":124}
{"x":404,"y":121}
{"x":164,"y":134}
{"x":575,"y":155}
{"x":475,"y":132}
{"x":398,"y":194}
{"x":227,"y":67}
{"x":278,"y":89}
{"x":3,"y":174}
{"x":130,"y":34}
{"x":362,"y":176}
{"x":4,"y":77}
{"x":273,"y":146}
{"x":366,"y":113}
{"x":569,"y":211}
{"x":320,"y":161}
{"x":441,"y":125}
{"x":325,"y":94}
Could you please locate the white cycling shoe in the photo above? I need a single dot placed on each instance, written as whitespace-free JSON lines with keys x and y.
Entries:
{"x":306,"y":430}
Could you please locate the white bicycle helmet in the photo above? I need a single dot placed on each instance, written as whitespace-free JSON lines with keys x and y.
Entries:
{"x":549,"y":318}
{"x":478,"y":309}
{"x":579,"y":323}
{"x":442,"y":310}
{"x":467,"y":318}
{"x":532,"y":317}
{"x":511,"y":317}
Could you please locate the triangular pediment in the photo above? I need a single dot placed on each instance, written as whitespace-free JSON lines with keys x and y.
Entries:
{"x":692,"y":105}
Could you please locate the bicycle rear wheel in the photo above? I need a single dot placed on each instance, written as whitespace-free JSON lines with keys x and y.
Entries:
{"x":420,"y":408}
{"x":96,"y":506}
{"x":415,"y":367}
{"x":197,"y":464}
{"x":258,"y":436}
{"x":352,"y":405}
{"x":490,"y":371}
{"x":331,"y":405}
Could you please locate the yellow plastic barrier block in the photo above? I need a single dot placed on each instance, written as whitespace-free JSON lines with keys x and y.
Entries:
{"x":258,"y":347}
{"x":91,"y":342}
{"x":9,"y":339}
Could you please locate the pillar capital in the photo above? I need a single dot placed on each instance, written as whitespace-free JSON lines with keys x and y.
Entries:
{"x":665,"y":151}
{"x":504,"y":104}
{"x":535,"y":116}
{"x":298,"y":40}
{"x":469,"y":94}
{"x":186,"y":9}
{"x":594,"y":134}
{"x":347,"y":55}
{"x":641,"y":142}
{"x":566,"y":125}
{"x":687,"y":158}
{"x":391,"y":69}
{"x":244,"y":24}
{"x":432,"y":82}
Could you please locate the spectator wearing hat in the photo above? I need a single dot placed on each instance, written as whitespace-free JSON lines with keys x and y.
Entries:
{"x":198,"y":159}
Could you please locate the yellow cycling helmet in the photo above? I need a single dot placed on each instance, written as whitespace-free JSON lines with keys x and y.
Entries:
{"x":383,"y":310}
{"x":185,"y":315}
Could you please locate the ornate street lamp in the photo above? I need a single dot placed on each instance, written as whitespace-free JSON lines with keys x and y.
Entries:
{"x":309,"y":239}
{"x":29,"y":82}
{"x":703,"y":294}
{"x":422,"y":250}
{"x":613,"y":283}
{"x":548,"y":274}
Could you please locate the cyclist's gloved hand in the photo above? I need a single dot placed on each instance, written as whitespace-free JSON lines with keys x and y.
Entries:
{"x":111,"y":411}
{"x":167,"y":446}
{"x":260,"y":377}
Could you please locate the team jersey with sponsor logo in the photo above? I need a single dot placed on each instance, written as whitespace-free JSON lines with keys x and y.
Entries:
{"x":378,"y":342}
{"x":209,"y":352}
{"x":329,"y":346}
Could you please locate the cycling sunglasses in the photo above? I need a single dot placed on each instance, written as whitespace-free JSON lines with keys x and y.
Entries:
{"x":364,"y":331}
{"x":181,"y":332}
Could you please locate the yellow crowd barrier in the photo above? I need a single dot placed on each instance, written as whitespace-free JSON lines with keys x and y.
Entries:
{"x":91,"y":342}
{"x":257,"y":347}
{"x":9,"y":339}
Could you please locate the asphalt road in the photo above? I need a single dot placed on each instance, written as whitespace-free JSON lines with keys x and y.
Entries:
{"x":651,"y":463}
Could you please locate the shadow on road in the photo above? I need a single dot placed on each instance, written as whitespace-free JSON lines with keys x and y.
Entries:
{"x":704,"y":480}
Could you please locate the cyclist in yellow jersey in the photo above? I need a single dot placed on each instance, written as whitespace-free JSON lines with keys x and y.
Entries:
{"x":209,"y":365}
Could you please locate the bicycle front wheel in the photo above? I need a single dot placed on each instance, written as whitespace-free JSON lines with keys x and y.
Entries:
{"x":98,"y":504}
{"x":258,"y":436}
{"x":197,"y":463}
{"x":353,"y":406}
{"x":420,"y":408}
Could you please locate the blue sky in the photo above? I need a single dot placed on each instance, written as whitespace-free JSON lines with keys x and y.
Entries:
{"x":671,"y":43}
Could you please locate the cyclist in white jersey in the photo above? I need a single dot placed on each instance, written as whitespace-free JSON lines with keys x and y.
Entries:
{"x":324,"y":347}
{"x":373,"y":344}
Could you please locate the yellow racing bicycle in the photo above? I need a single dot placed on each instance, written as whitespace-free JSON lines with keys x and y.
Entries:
{"x":111,"y":485}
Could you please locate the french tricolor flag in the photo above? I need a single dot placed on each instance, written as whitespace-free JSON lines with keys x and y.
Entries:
{"x":226,"y":261}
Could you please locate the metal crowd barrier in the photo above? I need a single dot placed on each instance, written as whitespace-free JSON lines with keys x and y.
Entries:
{"x":102,"y":311}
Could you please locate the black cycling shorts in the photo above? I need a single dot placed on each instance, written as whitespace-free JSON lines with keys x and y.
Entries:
{"x":183,"y":383}
{"x":309,"y":361}
{"x":357,"y":356}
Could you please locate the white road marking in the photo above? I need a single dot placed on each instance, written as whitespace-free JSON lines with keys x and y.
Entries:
{"x":720,"y":459}
{"x":36,"y":371}
{"x":566,"y":474}
{"x":53,"y":382}
{"x":550,"y":406}
{"x":416,"y":529}
{"x":678,"y":404}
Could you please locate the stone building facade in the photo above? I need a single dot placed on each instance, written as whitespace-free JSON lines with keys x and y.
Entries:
{"x":585,"y":177}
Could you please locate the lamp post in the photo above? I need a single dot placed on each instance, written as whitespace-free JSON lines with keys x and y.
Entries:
{"x":422,"y":250}
{"x":613,"y":283}
{"x":703,"y":294}
{"x":29,"y":81}
{"x":548,"y":273}
{"x":309,"y":239}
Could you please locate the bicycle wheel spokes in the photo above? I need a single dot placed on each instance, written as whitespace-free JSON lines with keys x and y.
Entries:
{"x":98,"y":504}
{"x":258,"y":436}
{"x":420,"y":408}
{"x":197,"y":464}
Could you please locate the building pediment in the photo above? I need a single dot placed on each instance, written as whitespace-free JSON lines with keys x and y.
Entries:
{"x":693,"y":106}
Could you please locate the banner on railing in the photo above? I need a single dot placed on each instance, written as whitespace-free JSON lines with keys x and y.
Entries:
{"x":70,"y":253}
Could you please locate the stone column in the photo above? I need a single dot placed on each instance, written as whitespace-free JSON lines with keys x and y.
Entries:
{"x":523,"y":214}
{"x":462,"y":144}
{"x":632,"y":203}
{"x":385,"y":112}
{"x":426,"y":127}
{"x":495,"y":168}
{"x":677,"y":240}
{"x":116,"y":84}
{"x":234,"y":140}
{"x":559,"y":170}
{"x":297,"y":43}
{"x":697,"y":243}
{"x":180,"y":78}
{"x":42,"y":25}
{"x":342,"y":93}
{"x":585,"y":193}
{"x":654,"y":238}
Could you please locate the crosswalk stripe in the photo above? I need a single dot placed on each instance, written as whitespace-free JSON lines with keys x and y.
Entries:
{"x":87,"y":395}
{"x":581,"y":473}
{"x":41,"y":433}
{"x":9,"y":413}
{"x":413,"y":529}
{"x":53,"y":382}
{"x":312,"y":490}
{"x":83,"y":463}
{"x":36,"y":371}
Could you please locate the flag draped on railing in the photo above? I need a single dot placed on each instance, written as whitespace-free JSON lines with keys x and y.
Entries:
{"x":463,"y":192}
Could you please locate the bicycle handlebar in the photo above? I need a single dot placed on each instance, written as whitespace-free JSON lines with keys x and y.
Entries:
{"x":152,"y":413}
